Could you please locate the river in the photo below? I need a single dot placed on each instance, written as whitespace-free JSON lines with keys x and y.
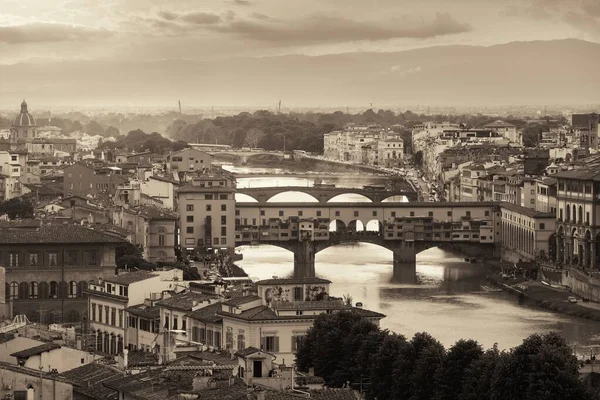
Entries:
{"x":448,"y":303}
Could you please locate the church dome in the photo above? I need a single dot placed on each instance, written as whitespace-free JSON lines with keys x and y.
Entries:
{"x":24,"y":118}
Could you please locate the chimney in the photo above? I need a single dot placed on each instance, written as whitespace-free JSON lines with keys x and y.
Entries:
{"x":125,"y":358}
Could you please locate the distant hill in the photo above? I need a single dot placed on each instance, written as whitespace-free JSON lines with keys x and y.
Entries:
{"x":540,"y":72}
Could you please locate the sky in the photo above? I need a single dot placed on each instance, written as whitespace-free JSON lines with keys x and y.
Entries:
{"x":148,"y":30}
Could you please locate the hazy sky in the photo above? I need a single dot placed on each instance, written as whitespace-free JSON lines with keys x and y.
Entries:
{"x":209,"y":29}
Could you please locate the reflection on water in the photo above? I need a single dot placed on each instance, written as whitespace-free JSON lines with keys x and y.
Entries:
{"x":448,"y":303}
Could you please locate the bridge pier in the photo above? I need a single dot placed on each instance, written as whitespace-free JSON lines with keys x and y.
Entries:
{"x":405,"y":263}
{"x":304,"y":259}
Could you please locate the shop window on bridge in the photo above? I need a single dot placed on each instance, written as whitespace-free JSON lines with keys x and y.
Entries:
{"x":318,"y":213}
{"x":430,"y":213}
{"x":412,"y":213}
{"x":33,"y":290}
{"x":33,"y":259}
{"x":449,"y":213}
{"x":281,"y":213}
{"x":337,"y":213}
{"x":53,"y":290}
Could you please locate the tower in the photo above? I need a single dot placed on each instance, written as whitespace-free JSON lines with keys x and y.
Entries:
{"x":24,"y":126}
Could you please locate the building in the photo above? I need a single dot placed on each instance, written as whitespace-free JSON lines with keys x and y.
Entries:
{"x":587,"y":125}
{"x":188,"y":160}
{"x":578,"y":217}
{"x":207,"y":211}
{"x":21,"y":383}
{"x":161,"y":188}
{"x":108,"y":299}
{"x":152,"y":228}
{"x":545,"y":188}
{"x":83,"y":180}
{"x":360,"y":144}
{"x":277,"y":319}
{"x":89,"y":381}
{"x":506,"y":130}
{"x":48,"y":267}
{"x":24,"y":126}
{"x":10,"y":176}
{"x":390,"y":152}
{"x":52,"y":356}
{"x":527,"y":235}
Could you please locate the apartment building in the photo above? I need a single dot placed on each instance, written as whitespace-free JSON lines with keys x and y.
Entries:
{"x":188,"y":160}
{"x":83,"y":180}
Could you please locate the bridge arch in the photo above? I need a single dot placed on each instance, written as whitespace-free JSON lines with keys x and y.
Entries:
{"x":395,"y":199}
{"x":354,"y":197}
{"x":337,"y":225}
{"x":299,"y":197}
{"x":356,"y":225}
{"x":245,"y":198}
{"x":374,"y":225}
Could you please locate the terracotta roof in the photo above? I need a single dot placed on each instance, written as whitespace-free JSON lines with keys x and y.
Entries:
{"x":185,"y":301}
{"x":293,"y":281}
{"x":34,"y":351}
{"x":581,"y":174}
{"x":131,"y":277}
{"x":33,"y":372}
{"x":139,"y":358}
{"x":367,"y":313}
{"x":152,"y":212}
{"x":236,"y":301}
{"x":144,"y":311}
{"x":6,"y":337}
{"x":526,"y":211}
{"x":90,"y":378}
{"x":221,"y":358}
{"x":260,"y":313}
{"x":58,"y":234}
{"x":248,"y":351}
{"x":165,"y":179}
{"x":207,"y":314}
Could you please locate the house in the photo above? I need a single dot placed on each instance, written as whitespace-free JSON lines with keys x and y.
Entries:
{"x":50,"y":265}
{"x":109,"y":298}
{"x":206,"y":326}
{"x":52,"y":356}
{"x":22,"y":383}
{"x":92,"y":179}
{"x":163,"y":188}
{"x":277,"y":320}
{"x":188,"y":160}
{"x":89,"y":381}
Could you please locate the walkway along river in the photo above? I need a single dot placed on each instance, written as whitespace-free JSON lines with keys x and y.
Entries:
{"x":449,"y":303}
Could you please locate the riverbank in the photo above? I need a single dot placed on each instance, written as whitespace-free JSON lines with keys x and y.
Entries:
{"x":547,"y":297}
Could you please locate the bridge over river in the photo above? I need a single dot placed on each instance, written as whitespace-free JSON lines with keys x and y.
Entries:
{"x":404,"y":228}
{"x":324,"y":194}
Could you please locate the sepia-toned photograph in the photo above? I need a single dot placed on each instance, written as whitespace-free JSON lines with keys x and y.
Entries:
{"x":291,"y":199}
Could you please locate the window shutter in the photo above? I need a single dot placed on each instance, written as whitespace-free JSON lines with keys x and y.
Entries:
{"x":263,"y":343}
{"x":293,"y":343}
{"x":276,"y":344}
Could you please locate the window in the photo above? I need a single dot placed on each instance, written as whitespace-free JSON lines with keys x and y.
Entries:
{"x":161,"y":240}
{"x":542,"y":226}
{"x":71,"y":258}
{"x":229,"y":338}
{"x":33,"y":259}
{"x":270,"y":343}
{"x":208,"y":207}
{"x":72,"y":289}
{"x":223,"y":231}
{"x":216,"y":241}
{"x":337,"y":213}
{"x":449,"y":213}
{"x":52,"y":259}
{"x":223,"y":207}
{"x":13,"y":259}
{"x":430,"y":213}
{"x":356,"y":213}
{"x":189,"y":207}
{"x":281,"y":213}
{"x":487,"y":213}
{"x":189,"y":229}
{"x":218,"y":340}
{"x":91,"y":257}
{"x":222,"y":197}
{"x":184,"y":324}
{"x":93,"y":312}
{"x":13,"y":291}
{"x":298,"y":293}
{"x":167,"y":322}
{"x":262,"y":212}
{"x":209,"y":336}
{"x":300,"y":213}
{"x":223,"y":219}
{"x":189,"y":218}
{"x":106,"y":315}
{"x":241,"y":340}
{"x":113,"y":316}
{"x":393,"y":213}
{"x":412,"y":213}
{"x":208,"y":197}
{"x":53,"y":290}
{"x":468,"y":213}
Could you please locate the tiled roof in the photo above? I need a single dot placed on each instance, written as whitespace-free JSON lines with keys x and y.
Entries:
{"x":152,"y":212}
{"x":33,"y":351}
{"x":131,"y":277}
{"x":165,"y":179}
{"x":293,"y":281}
{"x":198,"y":189}
{"x":260,"y":313}
{"x":207,"y":314}
{"x":220,"y":358}
{"x":139,"y":358}
{"x":59,"y":234}
{"x":185,"y":301}
{"x":90,"y":378}
{"x":6,"y":337}
{"x":582,"y":174}
{"x":247,"y":352}
{"x":526,"y":211}
{"x":144,"y":311}
{"x":367,"y":313}
{"x":33,"y":372}
{"x":236,"y":301}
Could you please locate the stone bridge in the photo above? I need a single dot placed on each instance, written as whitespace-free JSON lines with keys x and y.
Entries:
{"x":404,"y":228}
{"x":324,"y":194}
{"x":245,"y":156}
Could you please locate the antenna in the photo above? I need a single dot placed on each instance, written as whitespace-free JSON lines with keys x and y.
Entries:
{"x":179,"y":106}
{"x":213,"y":112}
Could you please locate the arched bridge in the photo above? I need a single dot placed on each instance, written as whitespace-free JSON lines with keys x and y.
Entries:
{"x":405,"y":228}
{"x":324,"y":194}
{"x":245,"y":156}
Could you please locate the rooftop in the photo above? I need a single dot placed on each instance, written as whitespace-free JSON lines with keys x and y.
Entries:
{"x":34,"y":351}
{"x":580,"y":174}
{"x":144,"y":311}
{"x":526,"y":211}
{"x":90,"y":378}
{"x":236,"y":301}
{"x":185,"y":301}
{"x":33,"y":372}
{"x":152,"y":212}
{"x":131,"y":277}
{"x":15,"y":233}
{"x":207,"y":314}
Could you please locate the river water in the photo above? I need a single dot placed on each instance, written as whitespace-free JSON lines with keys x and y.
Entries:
{"x":448,"y":303}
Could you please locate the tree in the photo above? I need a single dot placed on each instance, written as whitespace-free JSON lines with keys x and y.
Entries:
{"x":111,"y":131}
{"x":425,"y":370}
{"x":450,"y":375}
{"x":419,"y":158}
{"x":382,"y":379}
{"x":17,"y":208}
{"x":477,"y":381}
{"x":253,"y":137}
{"x":127,"y":253}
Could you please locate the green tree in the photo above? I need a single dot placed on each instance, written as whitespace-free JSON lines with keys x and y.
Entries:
{"x":111,"y":131}
{"x":450,"y":374}
{"x":382,"y":379}
{"x":477,"y":381}
{"x":419,"y":158}
{"x":17,"y":208}
{"x":426,"y":366}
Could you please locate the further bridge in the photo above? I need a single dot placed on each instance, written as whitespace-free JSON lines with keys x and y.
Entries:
{"x":325,"y":194}
{"x":404,"y":228}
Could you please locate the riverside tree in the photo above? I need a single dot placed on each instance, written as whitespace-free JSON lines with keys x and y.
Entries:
{"x":345,"y":347}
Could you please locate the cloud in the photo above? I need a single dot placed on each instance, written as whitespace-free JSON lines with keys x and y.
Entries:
{"x":397,"y":70}
{"x":198,"y":18}
{"x":325,"y":29}
{"x":241,"y":2}
{"x":46,"y":32}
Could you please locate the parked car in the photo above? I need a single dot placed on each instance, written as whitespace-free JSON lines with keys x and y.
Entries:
{"x":572,"y":299}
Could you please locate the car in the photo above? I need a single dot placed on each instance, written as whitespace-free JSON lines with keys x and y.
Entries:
{"x":572,"y":299}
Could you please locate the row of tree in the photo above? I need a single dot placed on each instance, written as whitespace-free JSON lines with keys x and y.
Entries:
{"x":139,"y":140}
{"x":346,"y":348}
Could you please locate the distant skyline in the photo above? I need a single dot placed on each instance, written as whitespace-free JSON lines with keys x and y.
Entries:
{"x":150,"y":30}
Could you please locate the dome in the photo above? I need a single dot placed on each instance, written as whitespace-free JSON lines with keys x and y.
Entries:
{"x":24,"y":118}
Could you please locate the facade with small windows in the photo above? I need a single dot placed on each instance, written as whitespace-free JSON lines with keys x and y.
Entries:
{"x":207,"y":212}
{"x":48,"y":267}
{"x":82,"y":180}
{"x":527,"y":234}
{"x":188,"y":160}
{"x":546,"y":195}
{"x":578,"y":218}
{"x":206,"y":326}
{"x":109,"y":298}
